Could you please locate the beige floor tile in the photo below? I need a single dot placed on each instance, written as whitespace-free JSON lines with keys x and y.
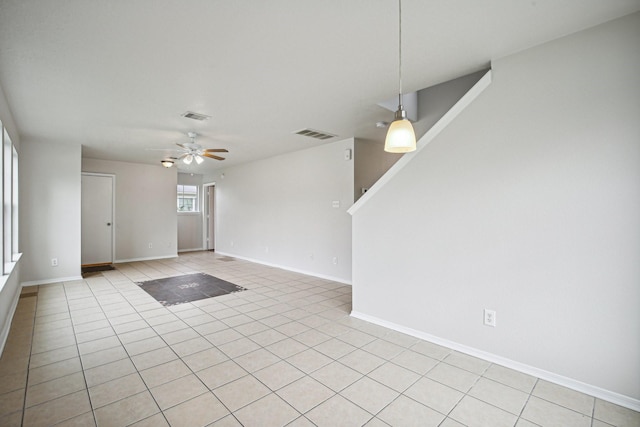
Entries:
{"x":164,"y":373}
{"x":157,"y":420}
{"x":356,"y":338}
{"x":180,"y":335}
{"x":510,"y":377}
{"x":238,"y":347}
{"x":191,"y":346}
{"x":309,"y":360}
{"x":448,"y":422}
{"x":312,"y":337}
{"x":394,"y":376}
{"x":369,"y":395}
{"x":454,"y":377}
{"x":270,"y":411}
{"x":98,"y":345}
{"x":545,"y":413}
{"x":12,"y":382}
{"x":49,"y":390}
{"x":563,"y":396}
{"x":210,"y":327}
{"x":204,"y":359}
{"x":103,"y":357}
{"x":398,"y":338}
{"x":616,"y":415}
{"x":334,"y":348}
{"x":466,"y":362}
{"x":256,"y":360}
{"x":127,"y":411}
{"x":278,"y":375}
{"x":241,"y":392}
{"x":85,"y":420}
{"x":169,"y":327}
{"x":13,"y":419}
{"x":338,"y":411}
{"x":83,"y":337}
{"x":200,"y":411}
{"x":136,"y":335}
{"x":224,"y":336}
{"x":524,"y":423}
{"x":383,"y":349}
{"x":336,"y":376}
{"x":286,"y":348}
{"x":305,"y":393}
{"x":108,"y":372}
{"x":502,"y":396}
{"x":434,"y":395}
{"x":112,"y":391}
{"x":376,"y":422}
{"x":124,"y":328}
{"x":57,"y":410}
{"x":144,"y":346}
{"x":221,"y":374}
{"x":178,"y":391}
{"x":54,"y":370}
{"x":154,"y":358}
{"x":361,"y":361}
{"x":53,"y":356}
{"x":11,"y":402}
{"x":431,"y":350}
{"x":407,"y":412}
{"x":267,"y":337}
{"x":415,"y":362}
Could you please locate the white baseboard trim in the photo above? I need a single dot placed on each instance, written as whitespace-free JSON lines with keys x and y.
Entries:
{"x":151,"y":258}
{"x":284,"y":267}
{"x":48,"y":281}
{"x":600,"y":393}
{"x":191,"y":250}
{"x":4,"y":334}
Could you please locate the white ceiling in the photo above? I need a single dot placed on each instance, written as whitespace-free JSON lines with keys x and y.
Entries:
{"x":115,"y":76}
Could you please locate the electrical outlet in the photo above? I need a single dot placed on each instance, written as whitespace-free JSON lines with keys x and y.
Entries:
{"x":489,"y":317}
{"x":335,"y":260}
{"x":54,"y":262}
{"x":150,"y":245}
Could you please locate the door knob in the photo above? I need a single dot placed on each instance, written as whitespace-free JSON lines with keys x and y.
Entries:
{"x":108,"y":223}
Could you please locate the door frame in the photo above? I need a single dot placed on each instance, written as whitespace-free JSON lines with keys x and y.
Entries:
{"x":205,"y":220}
{"x":113,"y":210}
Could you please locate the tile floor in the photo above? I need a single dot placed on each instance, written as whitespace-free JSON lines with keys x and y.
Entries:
{"x":101,"y":351}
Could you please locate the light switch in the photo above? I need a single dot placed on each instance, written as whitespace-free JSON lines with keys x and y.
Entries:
{"x":336,"y":203}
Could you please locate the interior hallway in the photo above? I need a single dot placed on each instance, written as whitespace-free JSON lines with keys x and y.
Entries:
{"x":101,"y":351}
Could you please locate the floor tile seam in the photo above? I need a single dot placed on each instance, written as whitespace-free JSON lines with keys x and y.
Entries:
{"x":388,"y":386}
{"x":563,"y":406}
{"x":593,"y":406}
{"x":503,"y":384}
{"x":26,"y":380}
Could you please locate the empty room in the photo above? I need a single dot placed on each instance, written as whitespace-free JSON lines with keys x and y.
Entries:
{"x":312,"y":213}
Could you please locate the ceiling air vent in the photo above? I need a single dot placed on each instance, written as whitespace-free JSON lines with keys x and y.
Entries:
{"x":311,"y":133}
{"x":196,"y":116}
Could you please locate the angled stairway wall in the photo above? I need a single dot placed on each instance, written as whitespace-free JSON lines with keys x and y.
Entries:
{"x":527,"y":204}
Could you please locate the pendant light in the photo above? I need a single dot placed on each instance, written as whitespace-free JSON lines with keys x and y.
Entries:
{"x":198,"y":159}
{"x":167,"y":163}
{"x":400,"y":137}
{"x":188,"y":159}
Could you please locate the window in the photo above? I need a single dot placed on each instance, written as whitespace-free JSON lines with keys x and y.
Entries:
{"x":188,"y":198}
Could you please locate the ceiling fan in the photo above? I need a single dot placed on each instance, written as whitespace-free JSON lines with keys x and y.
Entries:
{"x":191,"y":151}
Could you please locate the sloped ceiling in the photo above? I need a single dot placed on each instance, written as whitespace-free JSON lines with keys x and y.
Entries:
{"x":115,"y":76}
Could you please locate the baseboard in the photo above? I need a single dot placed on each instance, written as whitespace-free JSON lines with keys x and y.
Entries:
{"x":4,"y":334}
{"x":48,"y":281}
{"x":191,"y":250}
{"x":151,"y":258}
{"x":600,"y":393}
{"x":284,"y":267}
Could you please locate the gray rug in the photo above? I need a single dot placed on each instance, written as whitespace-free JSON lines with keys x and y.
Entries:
{"x":187,"y":288}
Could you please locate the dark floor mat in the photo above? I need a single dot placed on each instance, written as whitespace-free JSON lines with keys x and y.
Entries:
{"x":187,"y":288}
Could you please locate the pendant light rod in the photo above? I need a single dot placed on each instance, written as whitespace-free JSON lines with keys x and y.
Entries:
{"x":400,"y":55}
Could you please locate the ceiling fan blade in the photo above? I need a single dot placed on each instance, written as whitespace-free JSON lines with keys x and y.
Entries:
{"x":162,"y":149}
{"x":211,"y":156}
{"x":215,"y":150}
{"x":183,"y":146}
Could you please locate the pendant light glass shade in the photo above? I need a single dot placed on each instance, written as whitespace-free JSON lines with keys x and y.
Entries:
{"x":188,"y":159}
{"x":401,"y":137}
{"x":199,"y":159}
{"x":167,"y":163}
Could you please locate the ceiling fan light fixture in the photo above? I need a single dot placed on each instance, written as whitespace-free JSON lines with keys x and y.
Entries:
{"x":199,"y":159}
{"x":167,"y":163}
{"x":401,"y":137}
{"x":188,"y":159}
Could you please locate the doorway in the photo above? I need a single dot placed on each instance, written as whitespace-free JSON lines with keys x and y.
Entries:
{"x":97,"y":219}
{"x":209,"y":217}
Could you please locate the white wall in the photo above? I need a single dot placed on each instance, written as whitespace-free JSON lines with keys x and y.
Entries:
{"x":145,"y":210}
{"x":279,"y":211}
{"x":528,"y":204}
{"x":49,"y":180}
{"x":190,"y":223}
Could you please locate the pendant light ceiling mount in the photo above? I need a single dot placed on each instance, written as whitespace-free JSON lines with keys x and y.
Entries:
{"x":401,"y":137}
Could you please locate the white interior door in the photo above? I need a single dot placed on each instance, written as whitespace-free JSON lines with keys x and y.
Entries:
{"x":97,"y":219}
{"x":210,"y":217}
